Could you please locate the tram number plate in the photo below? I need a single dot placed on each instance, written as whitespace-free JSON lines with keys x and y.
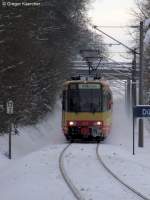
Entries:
{"x":95,"y":132}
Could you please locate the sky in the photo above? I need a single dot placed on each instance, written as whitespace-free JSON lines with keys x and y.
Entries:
{"x":113,"y":13}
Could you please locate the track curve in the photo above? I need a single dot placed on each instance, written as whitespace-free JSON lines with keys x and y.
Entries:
{"x":68,"y":181}
{"x":117,"y":178}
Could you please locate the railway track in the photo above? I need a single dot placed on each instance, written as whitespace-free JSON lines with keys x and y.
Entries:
{"x":76,"y":192}
{"x":117,"y":178}
{"x":68,"y":181}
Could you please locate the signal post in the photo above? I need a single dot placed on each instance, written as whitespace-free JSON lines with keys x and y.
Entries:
{"x":10,"y":112}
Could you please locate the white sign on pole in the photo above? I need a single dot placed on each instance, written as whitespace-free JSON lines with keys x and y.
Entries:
{"x":10,"y":107}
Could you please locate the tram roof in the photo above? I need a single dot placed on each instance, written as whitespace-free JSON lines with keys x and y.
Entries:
{"x":101,"y":81}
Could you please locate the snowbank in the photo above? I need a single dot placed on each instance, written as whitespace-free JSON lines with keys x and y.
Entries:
{"x":37,"y":175}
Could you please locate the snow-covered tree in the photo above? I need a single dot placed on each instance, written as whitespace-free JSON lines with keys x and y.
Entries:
{"x":36,"y":48}
{"x":142,"y":13}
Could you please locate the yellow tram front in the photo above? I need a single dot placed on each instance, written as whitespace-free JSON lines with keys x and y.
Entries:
{"x":86,"y":109}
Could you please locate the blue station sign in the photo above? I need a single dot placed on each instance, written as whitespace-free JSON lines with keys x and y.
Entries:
{"x":141,"y":111}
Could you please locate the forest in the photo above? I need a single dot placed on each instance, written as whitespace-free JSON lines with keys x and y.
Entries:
{"x":37,"y":46}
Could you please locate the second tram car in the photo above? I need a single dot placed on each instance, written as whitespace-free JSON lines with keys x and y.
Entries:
{"x":86,"y":109}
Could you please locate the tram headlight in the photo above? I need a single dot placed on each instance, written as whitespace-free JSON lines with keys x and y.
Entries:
{"x":98,"y":123}
{"x":72,"y":123}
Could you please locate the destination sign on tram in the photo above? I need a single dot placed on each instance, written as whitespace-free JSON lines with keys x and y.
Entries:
{"x":89,"y":86}
{"x":141,"y":111}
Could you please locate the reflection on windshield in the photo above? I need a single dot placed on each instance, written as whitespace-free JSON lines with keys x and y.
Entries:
{"x":85,"y":100}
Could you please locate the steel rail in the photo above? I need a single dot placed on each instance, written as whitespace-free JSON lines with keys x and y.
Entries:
{"x":68,"y":181}
{"x":117,"y":178}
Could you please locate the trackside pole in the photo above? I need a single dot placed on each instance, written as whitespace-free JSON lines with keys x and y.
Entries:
{"x":10,"y":134}
{"x":133,"y":134}
{"x":10,"y":111}
{"x":141,"y":84}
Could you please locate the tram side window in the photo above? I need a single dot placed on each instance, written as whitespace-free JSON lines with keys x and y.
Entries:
{"x":64,"y":100}
{"x":106,"y":101}
{"x":109,"y":101}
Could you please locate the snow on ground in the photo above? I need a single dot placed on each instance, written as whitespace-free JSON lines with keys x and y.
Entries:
{"x":130,"y":169}
{"x":118,"y":148}
{"x":34,"y":174}
{"x":35,"y":177}
{"x":32,"y":138}
{"x":90,"y":178}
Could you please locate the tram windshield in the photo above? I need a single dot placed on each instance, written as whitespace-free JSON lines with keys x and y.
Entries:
{"x":84,"y":98}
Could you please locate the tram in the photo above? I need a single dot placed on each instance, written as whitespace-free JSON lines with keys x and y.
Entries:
{"x":86,"y":108}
